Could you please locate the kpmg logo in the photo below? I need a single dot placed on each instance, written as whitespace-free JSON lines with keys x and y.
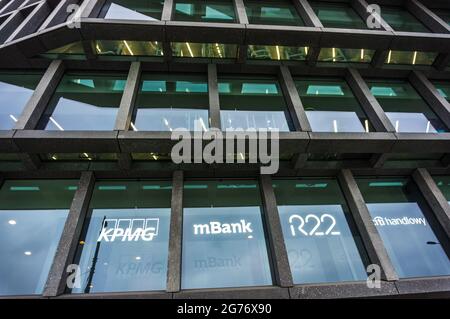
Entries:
{"x":129,"y":230}
{"x":405,"y":221}
{"x":217,"y":228}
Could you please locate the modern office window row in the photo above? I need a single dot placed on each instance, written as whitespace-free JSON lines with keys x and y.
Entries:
{"x":149,"y":50}
{"x":124,"y":244}
{"x":337,"y":14}
{"x":165,"y":102}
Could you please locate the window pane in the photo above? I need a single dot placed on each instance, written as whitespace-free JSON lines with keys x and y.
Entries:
{"x":411,"y":57}
{"x":204,"y":50}
{"x":72,"y":51}
{"x":223,"y":237}
{"x":124,"y":244}
{"x":276,"y":52}
{"x":32,"y":218}
{"x":337,"y":15}
{"x":85,"y":102}
{"x":204,"y":11}
{"x":443,"y":89}
{"x":251,"y":103}
{"x":320,"y":238}
{"x":443,"y":182}
{"x":405,"y":226}
{"x":168,"y":102}
{"x":331,"y":106}
{"x":15,"y":91}
{"x":345,"y":55}
{"x":149,"y":10}
{"x":281,"y":12}
{"x":128,"y":48}
{"x":405,"y":108}
{"x":401,"y":20}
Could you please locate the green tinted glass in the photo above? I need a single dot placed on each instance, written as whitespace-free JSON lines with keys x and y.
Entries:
{"x":346,"y":55}
{"x":204,"y":50}
{"x":204,"y":11}
{"x":281,"y":12}
{"x":443,"y":89}
{"x":411,"y":57}
{"x":128,"y":48}
{"x":401,"y":20}
{"x":337,"y":15}
{"x":276,"y":52}
{"x":443,"y":182}
{"x":405,"y":108}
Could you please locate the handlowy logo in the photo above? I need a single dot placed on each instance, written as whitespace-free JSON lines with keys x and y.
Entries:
{"x":128,"y":230}
{"x":405,"y":221}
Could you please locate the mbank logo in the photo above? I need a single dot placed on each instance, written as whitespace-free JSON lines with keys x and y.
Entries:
{"x":216,"y":228}
{"x":128,"y":230}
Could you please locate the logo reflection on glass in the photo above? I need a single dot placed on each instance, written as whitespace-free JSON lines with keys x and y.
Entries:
{"x":129,"y":230}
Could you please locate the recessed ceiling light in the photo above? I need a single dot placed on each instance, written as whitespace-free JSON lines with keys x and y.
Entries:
{"x":138,"y":258}
{"x":12,"y":222}
{"x":27,"y":253}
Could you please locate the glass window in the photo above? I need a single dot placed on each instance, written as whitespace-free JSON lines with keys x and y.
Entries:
{"x":331,"y":106}
{"x":15,"y":91}
{"x":223,"y":237}
{"x":125,"y":240}
{"x":204,"y":11}
{"x":444,"y":14}
{"x":252,"y":103}
{"x":405,"y":108}
{"x":443,"y":182}
{"x":84,"y":101}
{"x":149,"y":10}
{"x":78,"y":157}
{"x":73,"y":51}
{"x":128,"y":48}
{"x":32,"y":218}
{"x":406,"y":227}
{"x":168,"y":102}
{"x":411,"y":57}
{"x":443,"y":89}
{"x":345,"y":55}
{"x":204,"y":50}
{"x":337,"y":15}
{"x":276,"y":52}
{"x":401,"y":20}
{"x":320,"y":238}
{"x":280,"y":12}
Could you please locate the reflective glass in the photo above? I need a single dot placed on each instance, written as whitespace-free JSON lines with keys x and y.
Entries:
{"x":125,"y":239}
{"x":252,"y":103}
{"x":280,"y":12}
{"x":443,"y":182}
{"x":443,"y":89}
{"x":204,"y":11}
{"x":32,"y":218}
{"x":331,"y":106}
{"x":401,"y":20}
{"x":15,"y":91}
{"x":83,"y":157}
{"x":73,"y":50}
{"x":148,"y":10}
{"x":406,"y":226}
{"x":337,"y":15}
{"x":405,"y":108}
{"x":128,"y":48}
{"x":168,"y":102}
{"x":276,"y":52}
{"x":411,"y":57}
{"x":204,"y":50}
{"x":84,"y":102}
{"x":223,"y":237}
{"x":345,"y":55}
{"x":444,"y":14}
{"x":320,"y":237}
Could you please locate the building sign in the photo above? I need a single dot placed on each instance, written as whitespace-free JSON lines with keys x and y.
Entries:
{"x":224,"y":247}
{"x":401,"y":221}
{"x":320,"y":244}
{"x":129,"y":230}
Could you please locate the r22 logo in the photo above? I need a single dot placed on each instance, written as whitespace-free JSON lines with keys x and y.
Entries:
{"x":313,"y":225}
